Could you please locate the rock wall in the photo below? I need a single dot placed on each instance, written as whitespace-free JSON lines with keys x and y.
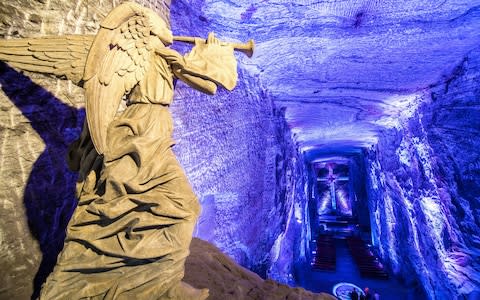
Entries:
{"x":237,"y":151}
{"x":288,"y":213}
{"x":423,"y":188}
{"x":358,"y":177}
{"x":227,"y":280}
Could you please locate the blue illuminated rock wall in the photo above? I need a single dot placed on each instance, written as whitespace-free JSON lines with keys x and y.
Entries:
{"x":424,"y":189}
{"x":238,"y":154}
{"x":288,"y":211}
{"x":360,"y":203}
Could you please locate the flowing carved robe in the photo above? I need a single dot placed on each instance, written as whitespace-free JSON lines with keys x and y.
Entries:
{"x":130,"y":233}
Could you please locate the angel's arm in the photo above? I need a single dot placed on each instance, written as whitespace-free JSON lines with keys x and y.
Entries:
{"x":180,"y":69}
{"x":198,"y":83}
{"x":206,"y":66}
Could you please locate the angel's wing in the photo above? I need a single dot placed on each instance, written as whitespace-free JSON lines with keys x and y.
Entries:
{"x":62,"y":56}
{"x":120,"y":56}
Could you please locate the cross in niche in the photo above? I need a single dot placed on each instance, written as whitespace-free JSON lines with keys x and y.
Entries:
{"x":330,"y":180}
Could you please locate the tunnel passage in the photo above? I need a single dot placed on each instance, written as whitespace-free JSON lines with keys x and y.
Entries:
{"x":341,"y":251}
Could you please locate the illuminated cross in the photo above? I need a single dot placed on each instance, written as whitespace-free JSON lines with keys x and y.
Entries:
{"x":330,"y":179}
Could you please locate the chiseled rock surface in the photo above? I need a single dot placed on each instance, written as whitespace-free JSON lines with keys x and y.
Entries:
{"x":208,"y":267}
{"x":36,"y":189}
{"x":238,"y":154}
{"x":340,"y":66}
{"x":424,"y":188}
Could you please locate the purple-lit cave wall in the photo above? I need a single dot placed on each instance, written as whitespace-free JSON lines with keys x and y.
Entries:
{"x":358,"y":187}
{"x":238,"y":154}
{"x":289,"y":223}
{"x":242,"y":166}
{"x":424,"y":188}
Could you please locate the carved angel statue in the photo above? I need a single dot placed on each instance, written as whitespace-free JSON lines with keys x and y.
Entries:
{"x":130,"y":233}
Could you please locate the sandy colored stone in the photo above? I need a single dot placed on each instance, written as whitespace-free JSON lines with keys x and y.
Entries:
{"x":208,"y":267}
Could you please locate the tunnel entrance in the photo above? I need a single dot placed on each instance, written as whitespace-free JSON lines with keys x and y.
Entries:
{"x":340,"y":245}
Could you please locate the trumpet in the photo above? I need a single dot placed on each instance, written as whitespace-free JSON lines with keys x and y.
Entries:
{"x":246,"y":48}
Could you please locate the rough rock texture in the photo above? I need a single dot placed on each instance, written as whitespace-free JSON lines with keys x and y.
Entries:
{"x":237,"y":151}
{"x":424,"y":188}
{"x":37,"y":189}
{"x":340,"y":67}
{"x":208,"y":267}
{"x":352,"y":74}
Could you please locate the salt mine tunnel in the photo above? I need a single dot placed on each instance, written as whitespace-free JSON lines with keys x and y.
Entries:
{"x":353,"y":131}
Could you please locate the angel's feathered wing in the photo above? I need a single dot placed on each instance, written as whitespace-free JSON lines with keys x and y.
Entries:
{"x":107,"y":65}
{"x":118,"y":59}
{"x":62,"y":56}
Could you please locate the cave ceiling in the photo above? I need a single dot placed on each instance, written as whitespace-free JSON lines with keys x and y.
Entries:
{"x":345,"y":70}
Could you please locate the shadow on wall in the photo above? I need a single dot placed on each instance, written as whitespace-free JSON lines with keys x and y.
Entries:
{"x":49,"y":195}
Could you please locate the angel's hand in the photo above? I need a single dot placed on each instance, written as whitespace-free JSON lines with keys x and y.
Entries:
{"x":212,"y":40}
{"x":172,"y":57}
{"x":213,"y":46}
